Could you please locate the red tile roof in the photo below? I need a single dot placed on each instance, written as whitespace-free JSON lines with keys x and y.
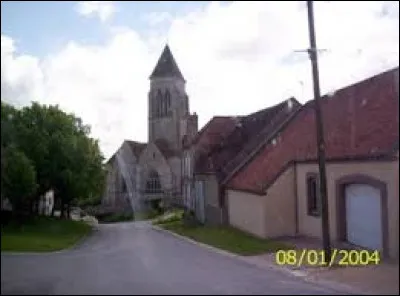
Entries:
{"x":209,"y":137}
{"x":249,"y":131}
{"x":360,"y":120}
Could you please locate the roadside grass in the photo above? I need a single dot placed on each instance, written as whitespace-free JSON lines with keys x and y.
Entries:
{"x":42,"y":234}
{"x":227,"y":238}
{"x":172,"y":216}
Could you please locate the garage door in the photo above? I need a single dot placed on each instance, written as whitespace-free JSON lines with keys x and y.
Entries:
{"x":363,"y":216}
{"x":200,"y":201}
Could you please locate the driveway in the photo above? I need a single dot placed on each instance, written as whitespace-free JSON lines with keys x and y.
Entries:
{"x":133,"y":258}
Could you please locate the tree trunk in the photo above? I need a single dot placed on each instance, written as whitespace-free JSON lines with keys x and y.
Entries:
{"x":55,"y":203}
{"x":54,"y":207}
{"x":68,"y":210}
{"x":62,"y":209}
{"x":37,"y":202}
{"x":31,"y":207}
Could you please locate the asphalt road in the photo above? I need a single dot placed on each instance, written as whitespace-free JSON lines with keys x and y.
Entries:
{"x":133,"y":258}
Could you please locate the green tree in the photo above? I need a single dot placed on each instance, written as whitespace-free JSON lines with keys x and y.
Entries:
{"x":18,"y":179}
{"x":8,"y":114}
{"x":32,"y":137}
{"x":61,"y":150}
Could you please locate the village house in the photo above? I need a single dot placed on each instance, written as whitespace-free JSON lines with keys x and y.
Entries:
{"x":221,"y":147}
{"x":276,"y":193}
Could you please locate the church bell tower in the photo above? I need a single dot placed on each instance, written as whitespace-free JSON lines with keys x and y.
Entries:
{"x":168,"y":104}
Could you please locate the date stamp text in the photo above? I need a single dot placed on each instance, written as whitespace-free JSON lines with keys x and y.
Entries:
{"x":318,"y":257}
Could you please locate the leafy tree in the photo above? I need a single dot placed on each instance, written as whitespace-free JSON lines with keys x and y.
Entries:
{"x":8,"y":114}
{"x":60,"y":149}
{"x":18,"y":179}
{"x":32,"y":137}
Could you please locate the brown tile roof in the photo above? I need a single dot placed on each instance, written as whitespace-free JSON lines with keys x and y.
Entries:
{"x":277,"y":116}
{"x":250,"y":130}
{"x":210,"y":136}
{"x":360,"y":121}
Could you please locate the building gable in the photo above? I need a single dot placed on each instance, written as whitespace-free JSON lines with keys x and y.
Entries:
{"x":360,"y":121}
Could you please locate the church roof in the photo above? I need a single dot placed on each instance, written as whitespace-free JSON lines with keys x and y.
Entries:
{"x":166,"y":66}
{"x":136,"y":147}
{"x":165,"y":148}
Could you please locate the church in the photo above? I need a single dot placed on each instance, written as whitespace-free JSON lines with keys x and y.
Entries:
{"x":145,"y":175}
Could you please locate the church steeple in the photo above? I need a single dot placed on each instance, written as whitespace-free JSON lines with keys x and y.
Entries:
{"x":166,"y":66}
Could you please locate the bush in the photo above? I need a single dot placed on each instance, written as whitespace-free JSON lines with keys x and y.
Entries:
{"x":90,"y":201}
{"x":147,"y":215}
{"x":115,"y":217}
{"x":189,"y":218}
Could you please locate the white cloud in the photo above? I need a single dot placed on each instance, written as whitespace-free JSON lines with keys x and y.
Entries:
{"x":156,"y":18}
{"x":21,"y":75}
{"x":237,"y":58}
{"x":104,"y":10}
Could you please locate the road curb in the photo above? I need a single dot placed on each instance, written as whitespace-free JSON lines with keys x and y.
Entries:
{"x":294,"y":273}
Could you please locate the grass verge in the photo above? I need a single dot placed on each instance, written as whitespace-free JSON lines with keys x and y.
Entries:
{"x":43,"y":234}
{"x":227,"y":238}
{"x":173,"y":216}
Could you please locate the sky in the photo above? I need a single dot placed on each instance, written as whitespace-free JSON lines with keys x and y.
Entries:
{"x":93,"y":58}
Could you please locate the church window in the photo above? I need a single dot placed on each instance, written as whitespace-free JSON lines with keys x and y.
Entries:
{"x":158,"y":102}
{"x":162,"y":106}
{"x":154,"y":107}
{"x":167,"y":101}
{"x":165,"y":106}
{"x":153,"y":184}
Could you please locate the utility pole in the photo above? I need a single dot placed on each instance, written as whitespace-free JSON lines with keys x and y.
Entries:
{"x":320,"y":135}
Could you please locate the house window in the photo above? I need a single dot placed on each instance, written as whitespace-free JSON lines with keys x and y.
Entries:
{"x":153,"y":184}
{"x":313,"y":201}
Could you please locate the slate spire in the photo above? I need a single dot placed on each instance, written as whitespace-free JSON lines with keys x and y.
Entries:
{"x":166,"y":66}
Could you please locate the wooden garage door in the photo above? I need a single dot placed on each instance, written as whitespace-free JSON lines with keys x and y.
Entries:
{"x":363,"y":216}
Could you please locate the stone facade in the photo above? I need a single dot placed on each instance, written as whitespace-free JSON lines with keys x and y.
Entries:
{"x":142,"y":174}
